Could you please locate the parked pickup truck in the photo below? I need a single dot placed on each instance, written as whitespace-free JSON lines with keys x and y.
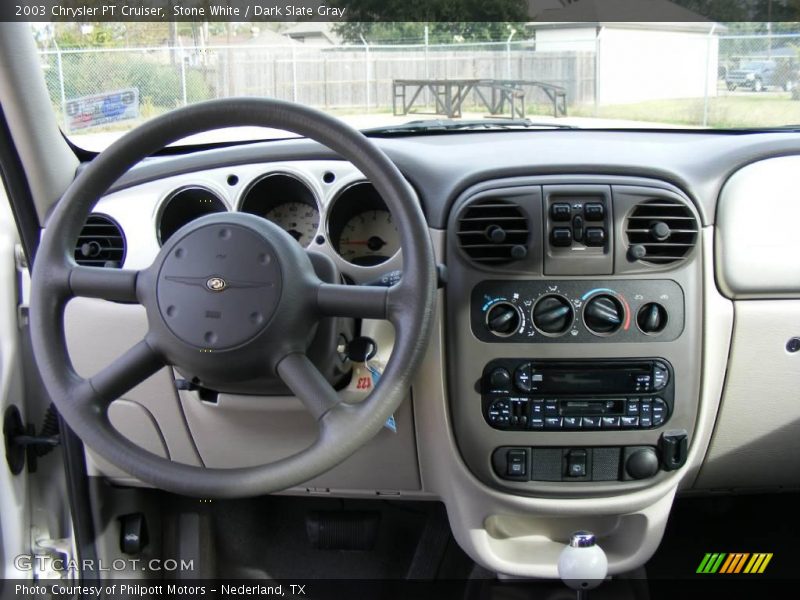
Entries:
{"x":760,"y":75}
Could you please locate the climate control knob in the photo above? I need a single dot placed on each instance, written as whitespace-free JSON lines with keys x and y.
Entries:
{"x":603,"y":314}
{"x":503,"y":319}
{"x":552,"y":314}
{"x":652,"y":318}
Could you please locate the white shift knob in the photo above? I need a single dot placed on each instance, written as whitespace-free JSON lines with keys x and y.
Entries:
{"x":582,"y":564}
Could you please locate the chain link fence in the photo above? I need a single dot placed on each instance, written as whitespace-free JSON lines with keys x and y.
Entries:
{"x":698,"y":79}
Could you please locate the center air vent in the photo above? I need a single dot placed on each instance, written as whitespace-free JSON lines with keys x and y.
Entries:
{"x":100,"y":244}
{"x":493,"y":232}
{"x":661,"y":232}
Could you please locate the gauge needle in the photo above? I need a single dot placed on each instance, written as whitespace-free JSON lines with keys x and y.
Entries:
{"x":374,"y":243}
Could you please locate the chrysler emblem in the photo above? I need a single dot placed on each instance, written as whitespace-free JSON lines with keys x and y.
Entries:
{"x":216,"y":284}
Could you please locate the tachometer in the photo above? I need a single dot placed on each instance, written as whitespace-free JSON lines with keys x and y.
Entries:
{"x":299,"y":219}
{"x":368,"y":238}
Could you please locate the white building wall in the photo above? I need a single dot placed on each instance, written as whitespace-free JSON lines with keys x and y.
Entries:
{"x":638,"y":65}
{"x":566,"y":40}
{"x":642,"y":64}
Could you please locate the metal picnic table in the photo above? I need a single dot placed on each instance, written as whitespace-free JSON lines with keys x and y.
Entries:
{"x":498,"y":95}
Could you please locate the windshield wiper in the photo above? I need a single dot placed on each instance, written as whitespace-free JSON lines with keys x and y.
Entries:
{"x":433,"y":125}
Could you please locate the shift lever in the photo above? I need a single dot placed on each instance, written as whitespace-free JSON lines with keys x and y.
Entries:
{"x":582,"y":564}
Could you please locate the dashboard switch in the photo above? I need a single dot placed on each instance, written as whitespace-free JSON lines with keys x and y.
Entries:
{"x":561,"y":211}
{"x":577,"y":228}
{"x":561,"y":236}
{"x":517,"y":463}
{"x":576,"y":463}
{"x":594,"y":211}
{"x":594,"y":236}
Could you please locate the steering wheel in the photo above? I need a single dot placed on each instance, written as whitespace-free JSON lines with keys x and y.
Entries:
{"x":256,"y":282}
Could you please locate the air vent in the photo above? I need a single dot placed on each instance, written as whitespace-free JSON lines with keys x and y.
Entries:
{"x":661,"y":232}
{"x":101,"y":243}
{"x":493,"y":232}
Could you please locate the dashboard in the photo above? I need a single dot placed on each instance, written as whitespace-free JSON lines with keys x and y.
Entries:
{"x":608,"y":294}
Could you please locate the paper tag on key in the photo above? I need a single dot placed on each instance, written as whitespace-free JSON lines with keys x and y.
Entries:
{"x":366,"y":372}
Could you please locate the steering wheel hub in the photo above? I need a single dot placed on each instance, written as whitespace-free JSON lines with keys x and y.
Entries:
{"x":218,"y":286}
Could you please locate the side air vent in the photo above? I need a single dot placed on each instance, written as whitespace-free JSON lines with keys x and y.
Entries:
{"x":101,"y":243}
{"x":493,"y":232}
{"x":661,"y":232}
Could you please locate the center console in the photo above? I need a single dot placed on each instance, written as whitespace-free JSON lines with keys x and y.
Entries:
{"x":574,"y":369}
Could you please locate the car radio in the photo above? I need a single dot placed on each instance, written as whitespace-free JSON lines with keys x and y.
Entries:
{"x":522,"y":394}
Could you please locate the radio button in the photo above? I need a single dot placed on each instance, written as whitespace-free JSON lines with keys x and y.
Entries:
{"x":591,"y":423}
{"x":552,"y":423}
{"x":522,"y":377}
{"x":659,"y":412}
{"x":632,"y":407}
{"x":627,"y":422}
{"x":643,"y":383}
{"x":537,"y":408}
{"x":500,"y":379}
{"x":499,"y":413}
{"x":610,"y":422}
{"x":551,"y":408}
{"x":571,"y":422}
{"x":660,"y":376}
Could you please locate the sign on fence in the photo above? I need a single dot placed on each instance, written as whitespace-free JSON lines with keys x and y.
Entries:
{"x":102,"y":109}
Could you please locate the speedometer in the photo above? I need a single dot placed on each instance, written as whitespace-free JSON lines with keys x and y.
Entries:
{"x":299,"y":219}
{"x":368,"y":238}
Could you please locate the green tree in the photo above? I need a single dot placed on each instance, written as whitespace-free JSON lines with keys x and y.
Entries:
{"x":388,"y":20}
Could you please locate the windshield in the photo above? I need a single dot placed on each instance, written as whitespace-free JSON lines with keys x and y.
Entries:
{"x":105,"y":78}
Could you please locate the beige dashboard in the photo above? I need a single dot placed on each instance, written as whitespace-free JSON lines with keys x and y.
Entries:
{"x":738,"y":386}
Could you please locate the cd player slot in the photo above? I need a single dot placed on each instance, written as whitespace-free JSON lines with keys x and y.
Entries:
{"x":581,"y":408}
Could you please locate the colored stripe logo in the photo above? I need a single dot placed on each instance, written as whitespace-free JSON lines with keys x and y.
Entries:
{"x":734,"y":563}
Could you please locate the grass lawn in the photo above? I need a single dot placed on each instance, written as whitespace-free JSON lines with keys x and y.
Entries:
{"x":744,"y":109}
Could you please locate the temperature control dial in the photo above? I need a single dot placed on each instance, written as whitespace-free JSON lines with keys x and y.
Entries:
{"x":503,"y":319}
{"x":603,"y":314}
{"x":552,"y":314}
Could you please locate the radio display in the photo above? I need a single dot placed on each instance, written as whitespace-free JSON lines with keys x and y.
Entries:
{"x":576,"y":378}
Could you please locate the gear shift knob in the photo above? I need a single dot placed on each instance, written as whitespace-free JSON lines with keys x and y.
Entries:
{"x":582,"y":564}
